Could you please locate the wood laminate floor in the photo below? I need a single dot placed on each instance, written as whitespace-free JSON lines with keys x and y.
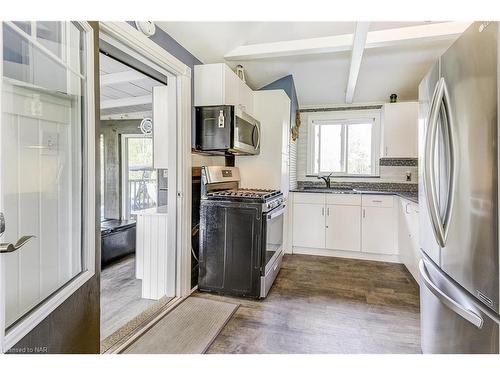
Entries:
{"x":327,"y":305}
{"x":121,"y":299}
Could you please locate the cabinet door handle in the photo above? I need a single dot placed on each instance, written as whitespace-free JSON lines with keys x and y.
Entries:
{"x":323,"y":211}
{"x":328,"y":211}
{"x":386,"y":149}
{"x":364,"y":213}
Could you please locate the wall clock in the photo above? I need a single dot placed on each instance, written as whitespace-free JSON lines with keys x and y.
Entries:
{"x":148,"y":28}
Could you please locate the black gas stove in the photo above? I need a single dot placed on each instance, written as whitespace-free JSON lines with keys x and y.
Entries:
{"x":241,"y":235}
{"x":260,"y":194}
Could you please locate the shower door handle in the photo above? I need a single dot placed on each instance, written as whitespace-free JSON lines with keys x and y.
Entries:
{"x":2,"y":224}
{"x":9,"y":248}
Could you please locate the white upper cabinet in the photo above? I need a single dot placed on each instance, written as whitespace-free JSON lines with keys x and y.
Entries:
{"x":160,"y":127}
{"x":217,"y":84}
{"x":270,"y":169}
{"x":245,"y":96}
{"x":399,"y":124}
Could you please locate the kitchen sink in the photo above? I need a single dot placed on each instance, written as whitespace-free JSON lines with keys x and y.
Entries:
{"x":329,"y":190}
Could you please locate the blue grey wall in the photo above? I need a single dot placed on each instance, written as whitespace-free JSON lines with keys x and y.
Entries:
{"x":170,"y":45}
{"x":288,"y":85}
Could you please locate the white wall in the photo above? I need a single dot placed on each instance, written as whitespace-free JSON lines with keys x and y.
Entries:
{"x":199,"y":160}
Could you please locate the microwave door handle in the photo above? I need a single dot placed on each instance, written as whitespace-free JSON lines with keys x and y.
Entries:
{"x":257,"y":128}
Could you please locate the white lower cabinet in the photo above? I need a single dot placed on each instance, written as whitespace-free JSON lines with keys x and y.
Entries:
{"x":408,"y":236}
{"x":343,"y":227}
{"x":345,"y":222}
{"x":377,"y":234}
{"x":309,"y":225}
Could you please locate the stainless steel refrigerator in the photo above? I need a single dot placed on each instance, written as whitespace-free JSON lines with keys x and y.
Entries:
{"x":458,"y":196}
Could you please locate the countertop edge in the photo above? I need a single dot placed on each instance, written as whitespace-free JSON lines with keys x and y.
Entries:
{"x":402,"y":195}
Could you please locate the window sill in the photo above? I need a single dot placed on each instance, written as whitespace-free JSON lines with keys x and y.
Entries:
{"x":332,"y":177}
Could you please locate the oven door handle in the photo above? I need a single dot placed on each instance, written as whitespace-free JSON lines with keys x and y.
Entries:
{"x":276,"y":212}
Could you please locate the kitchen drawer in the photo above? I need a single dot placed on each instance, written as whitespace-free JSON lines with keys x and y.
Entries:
{"x":378,"y":200}
{"x":311,"y":198}
{"x":344,"y":199}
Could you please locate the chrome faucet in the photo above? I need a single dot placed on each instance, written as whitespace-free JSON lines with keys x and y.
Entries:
{"x":326,"y":179}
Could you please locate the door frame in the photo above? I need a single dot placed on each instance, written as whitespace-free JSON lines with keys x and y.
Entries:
{"x":47,"y":306}
{"x":139,"y":46}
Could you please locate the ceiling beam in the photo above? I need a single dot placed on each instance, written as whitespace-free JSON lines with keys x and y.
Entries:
{"x":128,"y":115}
{"x":358,"y":47}
{"x":339,"y":43}
{"x":120,"y":77}
{"x":126,"y":102}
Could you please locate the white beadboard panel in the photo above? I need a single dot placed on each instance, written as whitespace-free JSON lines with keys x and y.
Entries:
{"x":302,"y":149}
{"x":48,"y":206}
{"x":293,"y":164}
{"x":29,"y":212}
{"x":39,"y":196}
{"x":154,"y":260}
{"x":139,"y":247}
{"x":10,"y":182}
{"x":387,"y":173}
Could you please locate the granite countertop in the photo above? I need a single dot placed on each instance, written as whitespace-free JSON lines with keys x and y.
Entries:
{"x":409,"y":195}
{"x":162,"y":210}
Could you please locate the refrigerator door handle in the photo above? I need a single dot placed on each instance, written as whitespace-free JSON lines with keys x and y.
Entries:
{"x":465,"y":313}
{"x":428,"y":170}
{"x":446,"y":114}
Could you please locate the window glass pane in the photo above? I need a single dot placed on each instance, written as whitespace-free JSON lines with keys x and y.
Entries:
{"x":359,"y":158}
{"x":331,"y":148}
{"x":26,"y":63}
{"x":142,"y":181}
{"x":49,"y":34}
{"x":24,"y":26}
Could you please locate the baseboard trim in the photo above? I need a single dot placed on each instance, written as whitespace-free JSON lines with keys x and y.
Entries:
{"x":347,"y":254}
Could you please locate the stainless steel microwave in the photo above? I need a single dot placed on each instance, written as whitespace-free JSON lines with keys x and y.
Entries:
{"x":226,"y":129}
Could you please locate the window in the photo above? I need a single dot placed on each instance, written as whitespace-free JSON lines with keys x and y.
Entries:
{"x":140,"y":176}
{"x":344,"y":143}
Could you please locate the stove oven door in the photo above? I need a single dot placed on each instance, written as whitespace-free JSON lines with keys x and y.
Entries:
{"x":274,"y":236}
{"x":273,"y":254}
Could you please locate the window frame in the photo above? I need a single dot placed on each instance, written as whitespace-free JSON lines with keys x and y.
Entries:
{"x":345,"y":117}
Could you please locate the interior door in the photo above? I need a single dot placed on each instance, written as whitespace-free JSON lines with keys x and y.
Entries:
{"x":470,"y":255}
{"x":46,"y":167}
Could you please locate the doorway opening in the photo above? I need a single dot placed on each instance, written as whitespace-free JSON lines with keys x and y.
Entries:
{"x":134,"y":287}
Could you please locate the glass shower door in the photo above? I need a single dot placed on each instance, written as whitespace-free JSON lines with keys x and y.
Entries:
{"x":43,"y":153}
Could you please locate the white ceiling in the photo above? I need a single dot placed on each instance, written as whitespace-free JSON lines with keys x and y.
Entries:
{"x":320,"y":79}
{"x":114,"y":96}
